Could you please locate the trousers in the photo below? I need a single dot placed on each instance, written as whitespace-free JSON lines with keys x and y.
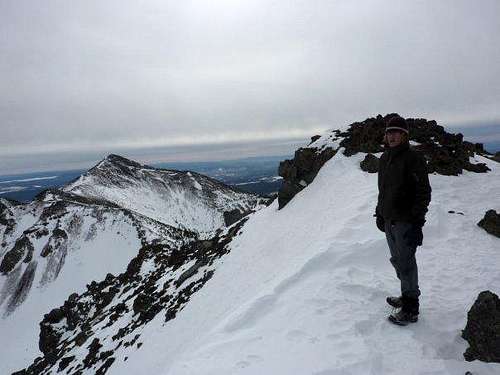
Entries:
{"x":403,"y":257}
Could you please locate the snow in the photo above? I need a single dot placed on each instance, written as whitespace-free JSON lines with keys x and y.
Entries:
{"x":100,"y":240}
{"x":303,"y":289}
{"x":85,"y":261}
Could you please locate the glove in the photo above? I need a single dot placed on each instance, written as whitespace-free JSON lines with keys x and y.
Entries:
{"x":414,"y":235}
{"x":380,"y":223}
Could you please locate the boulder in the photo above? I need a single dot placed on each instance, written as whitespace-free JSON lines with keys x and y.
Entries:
{"x":482,"y":331}
{"x":491,"y":223}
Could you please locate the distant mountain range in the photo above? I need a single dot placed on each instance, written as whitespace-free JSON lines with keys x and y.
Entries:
{"x":255,"y":175}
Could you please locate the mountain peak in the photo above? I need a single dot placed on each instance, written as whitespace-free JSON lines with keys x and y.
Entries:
{"x":171,"y":197}
{"x":120,"y":160}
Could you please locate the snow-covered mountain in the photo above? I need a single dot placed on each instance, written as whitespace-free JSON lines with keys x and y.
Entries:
{"x":53,"y":247}
{"x":65,"y":239}
{"x":297,"y":287}
{"x":181,"y":199}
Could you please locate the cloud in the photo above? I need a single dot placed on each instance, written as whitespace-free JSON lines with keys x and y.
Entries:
{"x":92,"y":75}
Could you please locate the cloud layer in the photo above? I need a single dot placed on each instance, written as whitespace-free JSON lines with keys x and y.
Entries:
{"x":91,"y":75}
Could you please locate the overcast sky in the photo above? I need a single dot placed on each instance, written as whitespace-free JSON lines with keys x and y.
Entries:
{"x":99,"y":75}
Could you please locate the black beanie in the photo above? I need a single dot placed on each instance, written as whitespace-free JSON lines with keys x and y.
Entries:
{"x":397,"y":123}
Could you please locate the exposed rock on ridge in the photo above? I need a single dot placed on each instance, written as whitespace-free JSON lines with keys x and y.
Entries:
{"x":160,"y":279}
{"x":483,"y":329}
{"x":491,"y":223}
{"x":446,"y":153}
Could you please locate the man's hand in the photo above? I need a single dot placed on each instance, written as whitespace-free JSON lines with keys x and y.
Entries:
{"x":380,"y":223}
{"x":414,"y":235}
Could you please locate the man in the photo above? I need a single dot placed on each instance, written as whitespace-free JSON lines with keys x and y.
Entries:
{"x":404,"y":194}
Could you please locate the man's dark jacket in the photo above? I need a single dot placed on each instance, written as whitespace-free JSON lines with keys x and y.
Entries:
{"x":403,"y":183}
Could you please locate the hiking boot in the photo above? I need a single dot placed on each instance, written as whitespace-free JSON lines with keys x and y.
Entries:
{"x":396,"y":302}
{"x":403,"y":318}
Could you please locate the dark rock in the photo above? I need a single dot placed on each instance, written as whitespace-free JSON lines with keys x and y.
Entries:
{"x":491,"y":223}
{"x":143,"y":303}
{"x":58,"y":239}
{"x":105,"y":367}
{"x":22,"y":246}
{"x":191,"y":271}
{"x":477,"y":168}
{"x":314,"y":138}
{"x":483,"y":329}
{"x":49,"y":338}
{"x":370,"y":163}
{"x":301,"y":171}
{"x":55,"y":316}
{"x":366,"y":136}
{"x":55,"y":210}
{"x":65,"y":362}
{"x":231,"y":217}
{"x":92,"y":356}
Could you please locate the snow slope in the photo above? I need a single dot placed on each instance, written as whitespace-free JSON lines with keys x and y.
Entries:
{"x":303,"y":289}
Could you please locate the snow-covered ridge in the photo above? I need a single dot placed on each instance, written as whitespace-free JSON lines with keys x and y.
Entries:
{"x":53,"y":247}
{"x":181,"y":199}
{"x":446,"y":153}
{"x":110,"y":315}
{"x":302,"y":290}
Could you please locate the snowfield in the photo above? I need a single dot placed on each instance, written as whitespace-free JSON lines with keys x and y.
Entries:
{"x":303,"y":289}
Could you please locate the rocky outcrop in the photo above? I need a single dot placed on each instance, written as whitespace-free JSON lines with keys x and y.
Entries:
{"x":159,"y":280}
{"x":483,"y":329}
{"x":370,"y":163}
{"x":491,"y":223}
{"x":58,"y":239}
{"x":22,"y":248}
{"x":6,"y":220}
{"x":232,"y":216}
{"x":446,"y":153}
{"x":301,"y":171}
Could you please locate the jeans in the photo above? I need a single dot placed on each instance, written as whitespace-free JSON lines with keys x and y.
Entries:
{"x":403,"y":257}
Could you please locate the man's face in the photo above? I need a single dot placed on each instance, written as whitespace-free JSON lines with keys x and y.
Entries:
{"x":394,"y":137}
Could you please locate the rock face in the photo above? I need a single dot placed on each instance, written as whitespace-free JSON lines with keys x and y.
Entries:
{"x":51,"y":228}
{"x":483,"y":329}
{"x":446,"y":154}
{"x":491,"y":223}
{"x":301,"y":171}
{"x":22,"y":248}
